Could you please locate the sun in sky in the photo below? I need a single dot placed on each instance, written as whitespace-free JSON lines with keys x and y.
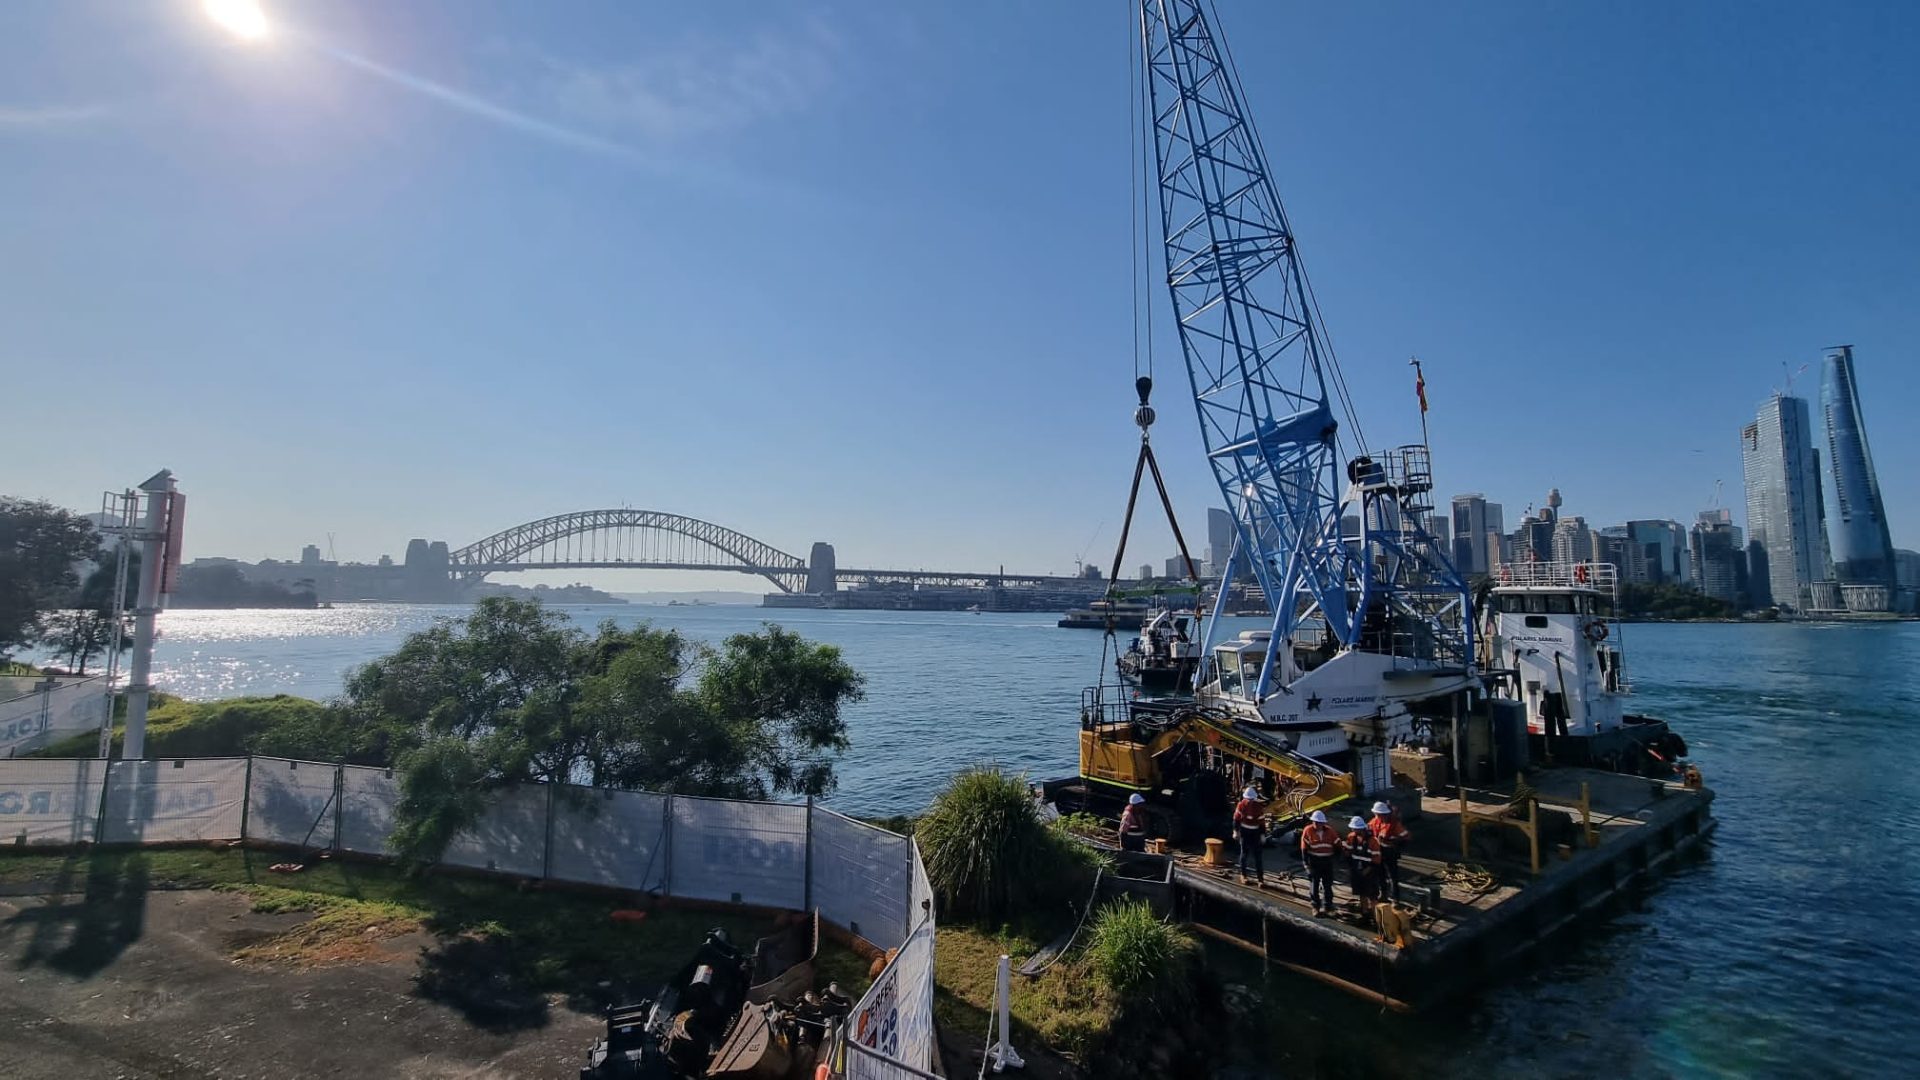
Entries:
{"x":241,"y":18}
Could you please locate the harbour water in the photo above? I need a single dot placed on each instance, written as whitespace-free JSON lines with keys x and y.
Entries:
{"x":1791,"y":948}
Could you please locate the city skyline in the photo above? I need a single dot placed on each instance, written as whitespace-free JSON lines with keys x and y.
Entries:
{"x":353,"y":306}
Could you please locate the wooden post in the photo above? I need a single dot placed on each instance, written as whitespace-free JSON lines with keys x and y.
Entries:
{"x":1586,"y":812}
{"x":246,"y":797}
{"x":1533,"y":832}
{"x":1462,"y":788}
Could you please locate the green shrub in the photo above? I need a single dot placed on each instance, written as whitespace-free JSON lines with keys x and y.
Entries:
{"x":1141,"y":957}
{"x":988,"y":854}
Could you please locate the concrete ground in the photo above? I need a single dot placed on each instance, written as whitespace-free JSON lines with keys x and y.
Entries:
{"x":142,"y":984}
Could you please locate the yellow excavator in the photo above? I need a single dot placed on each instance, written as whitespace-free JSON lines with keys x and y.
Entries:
{"x":1191,"y":762}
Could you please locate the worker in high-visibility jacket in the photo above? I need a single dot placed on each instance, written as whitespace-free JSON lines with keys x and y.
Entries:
{"x":1133,"y":824}
{"x":1250,"y":828}
{"x":1363,"y":861}
{"x":1318,"y":842}
{"x":1394,"y":837}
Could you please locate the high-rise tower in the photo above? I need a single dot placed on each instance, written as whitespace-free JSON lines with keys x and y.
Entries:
{"x":1783,"y":499}
{"x":1856,"y":518}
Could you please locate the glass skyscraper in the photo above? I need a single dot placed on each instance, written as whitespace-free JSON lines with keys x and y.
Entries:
{"x":1856,"y":518}
{"x":1783,"y":499}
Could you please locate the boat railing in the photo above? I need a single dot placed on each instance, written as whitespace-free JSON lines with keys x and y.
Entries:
{"x":1599,"y":576}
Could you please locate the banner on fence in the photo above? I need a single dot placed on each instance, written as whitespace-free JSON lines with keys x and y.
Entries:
{"x":895,"y":1017}
{"x":510,"y":837}
{"x":742,"y":852}
{"x":49,"y":709}
{"x":292,"y":802}
{"x":50,"y":801}
{"x":367,"y":799}
{"x":859,"y":876}
{"x":614,"y":838}
{"x":174,"y":799}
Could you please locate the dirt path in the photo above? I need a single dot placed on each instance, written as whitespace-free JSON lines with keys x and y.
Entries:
{"x":145,"y":986}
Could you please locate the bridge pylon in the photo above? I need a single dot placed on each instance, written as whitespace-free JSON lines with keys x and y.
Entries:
{"x":821,"y":575}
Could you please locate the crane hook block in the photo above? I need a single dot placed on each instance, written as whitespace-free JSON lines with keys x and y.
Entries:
{"x":1143,"y":415}
{"x":1144,"y":386}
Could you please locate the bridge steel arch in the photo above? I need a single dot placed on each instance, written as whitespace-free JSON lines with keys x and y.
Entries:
{"x":592,"y":539}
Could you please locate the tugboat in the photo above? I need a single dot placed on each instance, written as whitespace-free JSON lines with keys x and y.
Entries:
{"x":1550,"y":641}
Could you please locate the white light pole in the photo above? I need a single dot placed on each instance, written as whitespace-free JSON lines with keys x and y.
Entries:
{"x":153,"y":555}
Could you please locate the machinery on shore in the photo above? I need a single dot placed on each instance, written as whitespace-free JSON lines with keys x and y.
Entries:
{"x":726,"y":1015}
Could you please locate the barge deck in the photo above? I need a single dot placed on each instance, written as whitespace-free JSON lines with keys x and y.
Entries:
{"x":1469,"y":917}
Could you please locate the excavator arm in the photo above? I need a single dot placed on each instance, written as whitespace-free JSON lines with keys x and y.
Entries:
{"x":1129,"y":755}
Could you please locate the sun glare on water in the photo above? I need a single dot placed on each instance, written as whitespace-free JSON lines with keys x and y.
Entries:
{"x":241,"y":18}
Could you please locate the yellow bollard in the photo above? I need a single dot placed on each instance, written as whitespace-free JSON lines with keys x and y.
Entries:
{"x":1216,"y":852}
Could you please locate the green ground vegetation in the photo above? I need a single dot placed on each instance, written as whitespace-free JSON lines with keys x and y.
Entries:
{"x":280,"y":725}
{"x":989,"y":854}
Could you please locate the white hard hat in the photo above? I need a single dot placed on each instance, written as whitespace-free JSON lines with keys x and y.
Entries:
{"x":1382,"y":808}
{"x":1358,"y":822}
{"x":1319,"y":817}
{"x":1136,"y":799}
{"x":1251,"y":793}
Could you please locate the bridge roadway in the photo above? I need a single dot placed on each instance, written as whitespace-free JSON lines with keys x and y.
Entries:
{"x":951,"y":579}
{"x":627,"y":539}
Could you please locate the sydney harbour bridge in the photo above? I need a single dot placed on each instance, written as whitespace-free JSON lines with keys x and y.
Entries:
{"x":655,"y":540}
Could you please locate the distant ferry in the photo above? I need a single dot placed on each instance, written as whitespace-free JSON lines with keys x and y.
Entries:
{"x":1102,"y":614}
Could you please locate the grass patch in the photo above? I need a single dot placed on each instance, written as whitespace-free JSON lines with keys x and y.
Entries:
{"x":988,"y":854}
{"x":1141,"y":957}
{"x":343,"y":930}
{"x":1065,"y":1009}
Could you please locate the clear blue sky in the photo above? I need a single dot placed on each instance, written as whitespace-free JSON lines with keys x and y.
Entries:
{"x":859,"y":272}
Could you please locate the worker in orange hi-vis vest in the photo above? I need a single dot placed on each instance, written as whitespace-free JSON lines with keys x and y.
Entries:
{"x":1393,"y":837}
{"x":1318,"y":842}
{"x":1363,"y":861}
{"x":1250,"y":828}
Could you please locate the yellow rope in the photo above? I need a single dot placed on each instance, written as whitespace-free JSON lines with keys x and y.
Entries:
{"x":1474,"y":879}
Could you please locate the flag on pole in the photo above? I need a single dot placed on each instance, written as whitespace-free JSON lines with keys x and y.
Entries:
{"x":1420,"y":388}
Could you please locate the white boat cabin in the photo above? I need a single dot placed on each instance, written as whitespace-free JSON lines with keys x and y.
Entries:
{"x":1552,"y":624}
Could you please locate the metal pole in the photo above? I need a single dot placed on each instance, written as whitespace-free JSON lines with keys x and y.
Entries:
{"x":146,"y":607}
{"x":1004,"y":1057}
{"x":122,"y":507}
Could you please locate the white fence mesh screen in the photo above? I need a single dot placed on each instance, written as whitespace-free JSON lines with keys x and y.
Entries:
{"x":367,"y":798}
{"x":616,"y":838}
{"x":920,"y":894}
{"x":865,"y":1064}
{"x":291,"y":802}
{"x":895,"y":1016}
{"x":37,"y":717}
{"x":748,"y":853}
{"x":511,"y":836}
{"x":860,"y":874}
{"x":50,"y":802}
{"x":174,"y":799}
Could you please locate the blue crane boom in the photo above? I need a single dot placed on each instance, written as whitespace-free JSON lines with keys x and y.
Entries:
{"x":1264,"y":379}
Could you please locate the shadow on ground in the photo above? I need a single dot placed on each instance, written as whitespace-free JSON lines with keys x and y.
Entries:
{"x":484,"y":979}
{"x":80,"y":934}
